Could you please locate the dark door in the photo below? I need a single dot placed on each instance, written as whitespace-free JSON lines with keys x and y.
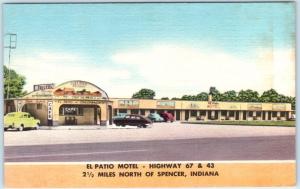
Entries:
{"x":269,"y":115}
{"x":244,"y":115}
{"x":177,"y":115}
{"x":216,"y":114}
{"x":110,"y":115}
{"x":95,"y":116}
{"x":264,"y":115}
{"x":186,"y":116}
{"x":209,"y":114}
{"x":237,"y":115}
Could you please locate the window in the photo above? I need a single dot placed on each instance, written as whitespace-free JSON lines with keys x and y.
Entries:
{"x":223,"y":113}
{"x":80,"y":111}
{"x":258,"y":114}
{"x":134,"y":111}
{"x":231,"y":113}
{"x":124,"y":111}
{"x":142,"y":112}
{"x":274,"y":114}
{"x":250,"y":114}
{"x":282,"y":114}
{"x":39,"y":106}
{"x":202,"y":113}
{"x":194,"y":113}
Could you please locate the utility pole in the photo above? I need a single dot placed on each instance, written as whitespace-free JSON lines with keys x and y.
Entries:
{"x":12,"y":45}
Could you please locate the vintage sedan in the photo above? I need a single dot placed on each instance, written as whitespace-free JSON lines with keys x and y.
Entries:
{"x":120,"y":115}
{"x":133,"y":120}
{"x":155,"y":117}
{"x":168,"y":117}
{"x":20,"y":121}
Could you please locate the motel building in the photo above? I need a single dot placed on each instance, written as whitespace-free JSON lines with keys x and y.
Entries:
{"x":83,"y":103}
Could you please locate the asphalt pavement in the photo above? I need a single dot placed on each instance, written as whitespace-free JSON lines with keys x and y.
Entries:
{"x":196,"y":149}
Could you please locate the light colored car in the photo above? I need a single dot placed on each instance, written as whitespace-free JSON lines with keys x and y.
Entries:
{"x":155,"y":117}
{"x":20,"y":121}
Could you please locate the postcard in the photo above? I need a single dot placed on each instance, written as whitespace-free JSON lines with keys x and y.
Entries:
{"x":149,"y":94}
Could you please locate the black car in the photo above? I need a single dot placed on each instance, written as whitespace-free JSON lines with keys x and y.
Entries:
{"x":133,"y":120}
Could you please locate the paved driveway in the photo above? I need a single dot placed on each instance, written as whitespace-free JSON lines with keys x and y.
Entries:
{"x":159,"y":131}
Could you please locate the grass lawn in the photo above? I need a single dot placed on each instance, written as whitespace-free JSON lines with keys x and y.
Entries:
{"x":255,"y":123}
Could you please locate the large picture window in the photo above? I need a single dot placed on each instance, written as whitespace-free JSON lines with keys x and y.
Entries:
{"x":71,"y":110}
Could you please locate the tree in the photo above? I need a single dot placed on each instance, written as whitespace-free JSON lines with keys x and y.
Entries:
{"x":273,"y":96}
{"x":189,"y":97}
{"x":229,"y":96}
{"x":216,"y":95}
{"x":270,"y":96}
{"x":202,"y":96}
{"x":248,"y":96}
{"x":15,"y":82}
{"x":292,"y":100}
{"x":144,"y":94}
{"x":165,"y":98}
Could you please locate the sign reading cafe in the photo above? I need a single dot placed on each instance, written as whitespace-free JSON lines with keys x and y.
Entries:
{"x":50,"y":108}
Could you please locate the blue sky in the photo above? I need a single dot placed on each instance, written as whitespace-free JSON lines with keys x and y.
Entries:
{"x":172,"y":48}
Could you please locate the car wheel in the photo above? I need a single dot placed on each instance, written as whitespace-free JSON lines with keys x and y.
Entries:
{"x":144,"y":126}
{"x":5,"y":129}
{"x":123,"y":125}
{"x":21,"y":128}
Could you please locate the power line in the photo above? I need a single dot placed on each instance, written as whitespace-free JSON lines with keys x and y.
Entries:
{"x":12,"y":45}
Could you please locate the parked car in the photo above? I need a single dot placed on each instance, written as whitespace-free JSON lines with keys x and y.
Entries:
{"x":20,"y":121}
{"x":167,"y":117}
{"x":292,"y":118}
{"x":120,"y":115}
{"x":133,"y":120}
{"x":155,"y":117}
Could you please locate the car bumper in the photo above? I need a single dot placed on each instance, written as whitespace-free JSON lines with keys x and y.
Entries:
{"x":10,"y":127}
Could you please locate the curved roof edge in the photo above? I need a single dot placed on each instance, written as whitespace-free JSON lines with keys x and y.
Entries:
{"x":82,"y":81}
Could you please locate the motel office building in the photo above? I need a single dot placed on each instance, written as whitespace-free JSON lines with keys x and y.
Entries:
{"x":83,"y":103}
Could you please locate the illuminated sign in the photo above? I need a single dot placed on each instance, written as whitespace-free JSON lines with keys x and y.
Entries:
{"x":41,"y":87}
{"x":254,"y":106}
{"x":128,"y":103}
{"x":79,"y":84}
{"x":50,"y":108}
{"x":212,"y":104}
{"x":194,"y":106}
{"x":279,"y":107}
{"x":165,"y":104}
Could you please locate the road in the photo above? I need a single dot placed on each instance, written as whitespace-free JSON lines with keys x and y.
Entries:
{"x":236,"y":148}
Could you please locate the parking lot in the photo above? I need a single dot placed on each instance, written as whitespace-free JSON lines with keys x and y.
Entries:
{"x":158,"y":131}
